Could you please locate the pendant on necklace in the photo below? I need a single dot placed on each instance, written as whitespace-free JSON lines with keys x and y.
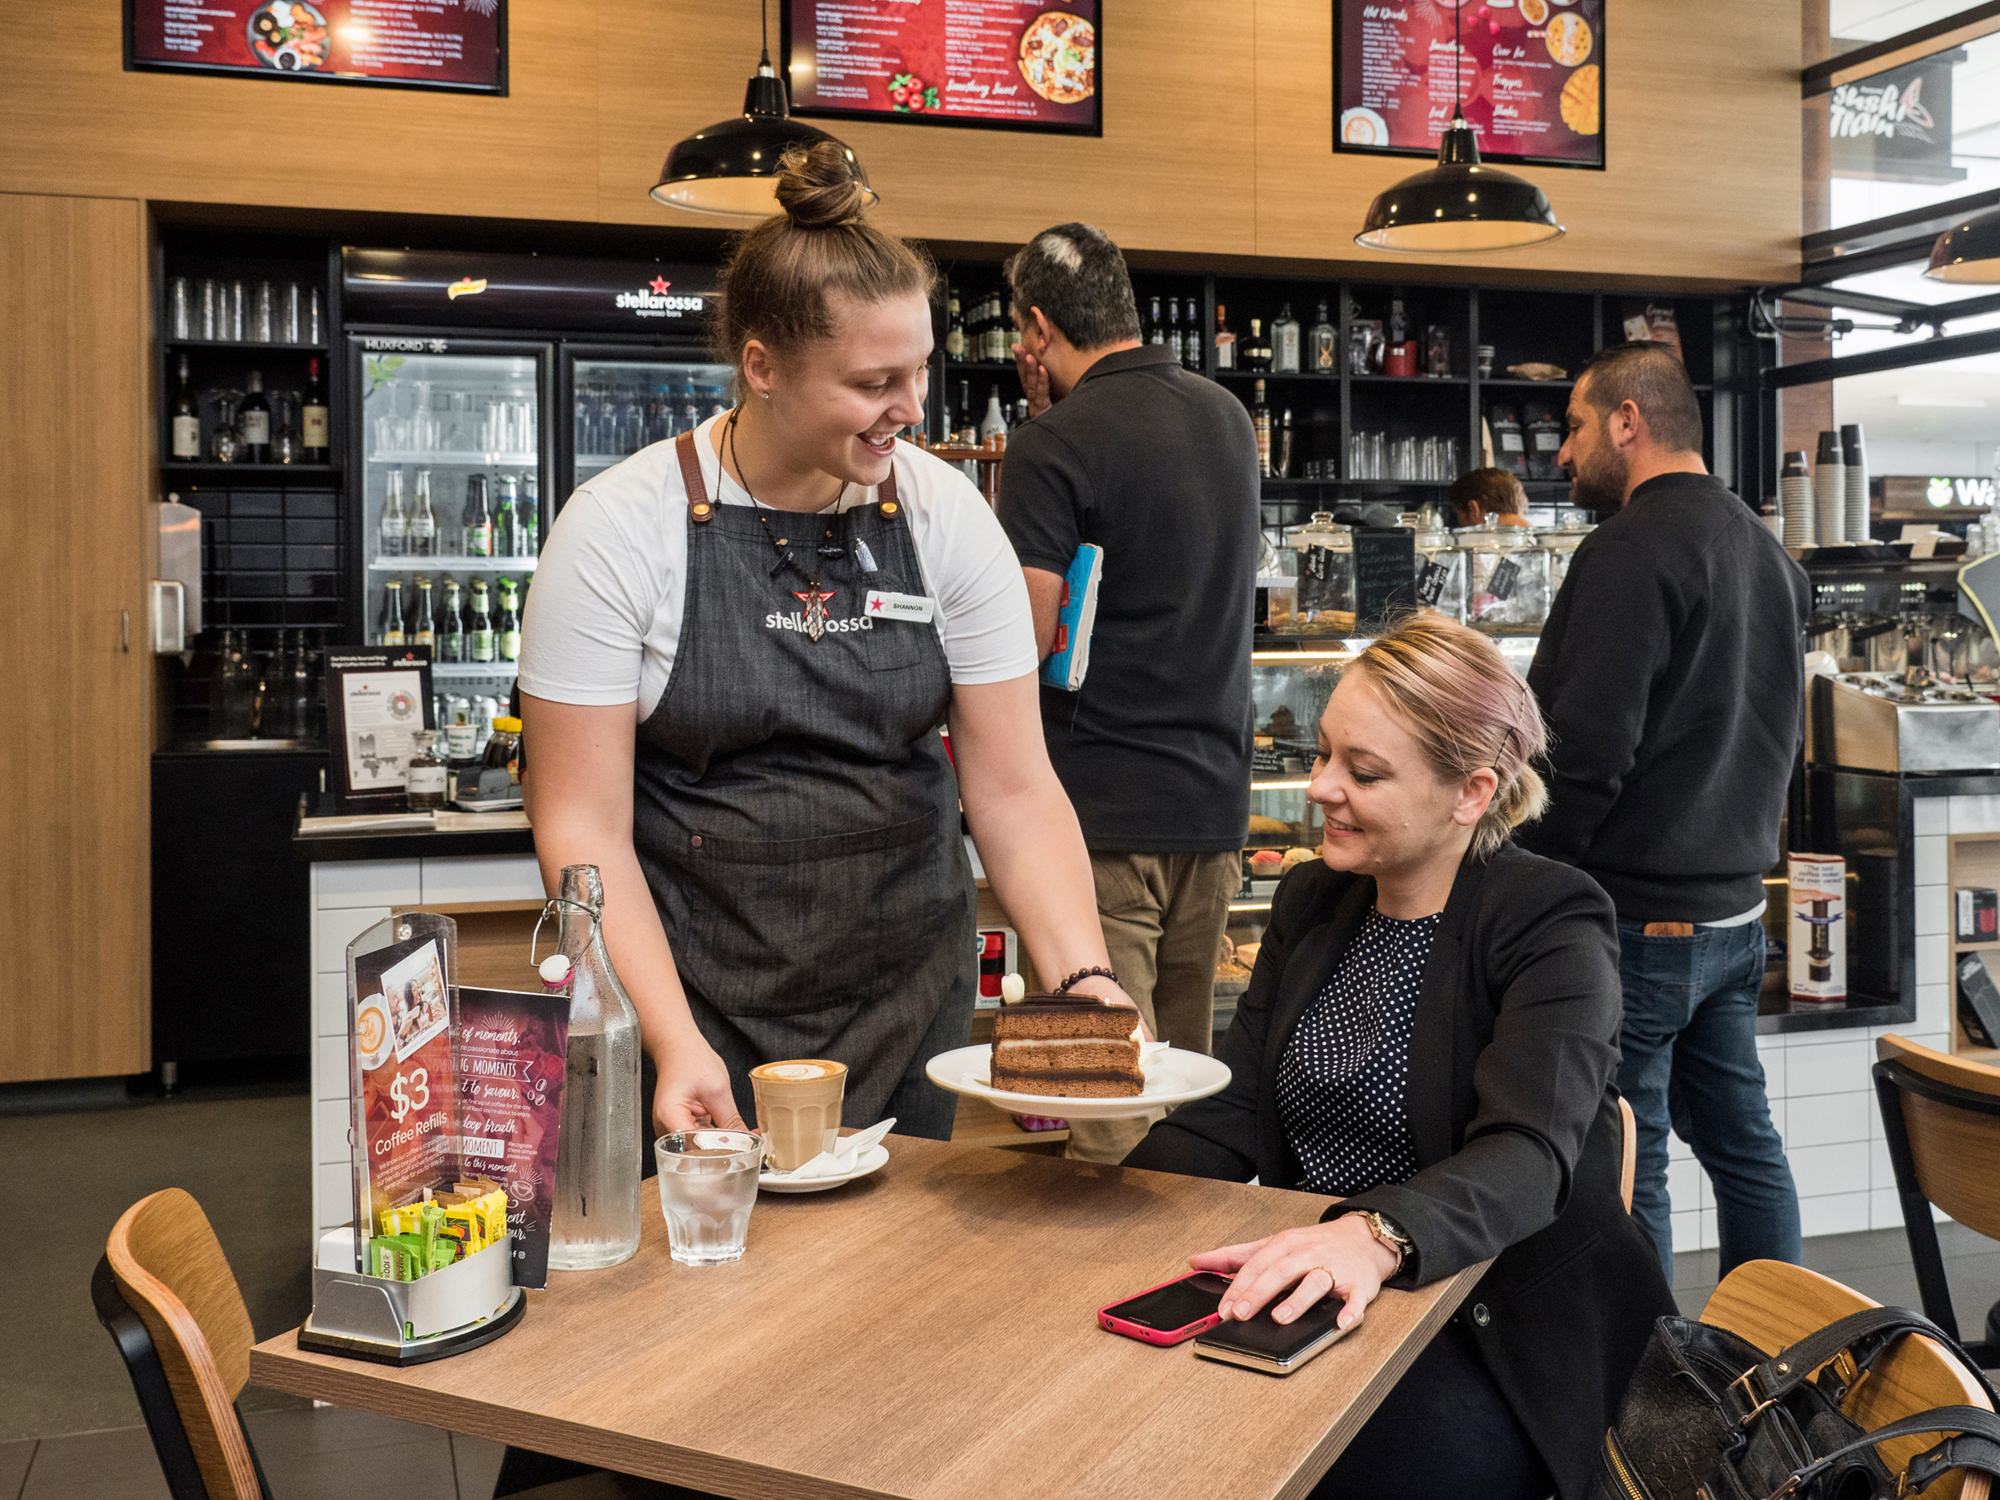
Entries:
{"x":814,"y":600}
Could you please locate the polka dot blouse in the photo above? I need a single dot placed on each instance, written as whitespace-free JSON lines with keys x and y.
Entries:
{"x":1340,"y":1082}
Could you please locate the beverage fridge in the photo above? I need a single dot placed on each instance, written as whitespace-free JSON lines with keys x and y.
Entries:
{"x":485,"y":390}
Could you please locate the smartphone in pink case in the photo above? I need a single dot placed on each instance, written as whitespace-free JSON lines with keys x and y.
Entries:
{"x":1172,"y":1312}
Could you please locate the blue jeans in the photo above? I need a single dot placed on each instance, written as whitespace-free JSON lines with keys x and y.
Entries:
{"x":1689,"y":1047}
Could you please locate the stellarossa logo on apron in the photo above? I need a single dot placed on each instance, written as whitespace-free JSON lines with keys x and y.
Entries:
{"x":796,"y":620}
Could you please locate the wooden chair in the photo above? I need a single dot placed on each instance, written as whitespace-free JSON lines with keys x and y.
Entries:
{"x":1774,"y":1305}
{"x":1941,"y":1117}
{"x":1628,"y":1168}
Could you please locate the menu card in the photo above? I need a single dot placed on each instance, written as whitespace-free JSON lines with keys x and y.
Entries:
{"x":460,"y":46}
{"x":1011,"y":64}
{"x":513,"y":1050}
{"x":404,"y":1093}
{"x":1529,"y":75}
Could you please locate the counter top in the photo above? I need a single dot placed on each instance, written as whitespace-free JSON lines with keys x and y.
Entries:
{"x":443,"y":835}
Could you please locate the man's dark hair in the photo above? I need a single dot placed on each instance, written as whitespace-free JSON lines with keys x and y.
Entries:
{"x":1496,"y":489}
{"x":1652,"y":377}
{"x":1077,"y":277}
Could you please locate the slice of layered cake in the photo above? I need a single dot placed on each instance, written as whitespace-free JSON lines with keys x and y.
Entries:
{"x":1067,"y":1045}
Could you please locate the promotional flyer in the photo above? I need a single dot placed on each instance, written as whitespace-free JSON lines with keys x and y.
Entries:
{"x":1007,"y":64}
{"x":405,"y":1088}
{"x":1529,"y":77}
{"x":457,"y":45}
{"x":512,"y":1053}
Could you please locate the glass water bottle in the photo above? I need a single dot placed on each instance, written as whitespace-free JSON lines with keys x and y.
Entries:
{"x":597,"y":1160}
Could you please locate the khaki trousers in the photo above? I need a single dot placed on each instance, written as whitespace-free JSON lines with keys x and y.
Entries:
{"x":1163,"y":916}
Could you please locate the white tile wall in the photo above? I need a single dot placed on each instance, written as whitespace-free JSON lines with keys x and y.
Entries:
{"x":1971,"y":814}
{"x":1934,"y":960}
{"x":1929,"y":816}
{"x":1828,"y":1119}
{"x":1821,"y":1170}
{"x":1930,"y":862}
{"x":484,"y":877}
{"x":367,"y":882}
{"x":1836,"y":1213}
{"x":333,"y":930}
{"x":1933,"y":907}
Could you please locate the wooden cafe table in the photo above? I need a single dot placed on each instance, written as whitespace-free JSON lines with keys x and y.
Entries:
{"x":929,"y":1331}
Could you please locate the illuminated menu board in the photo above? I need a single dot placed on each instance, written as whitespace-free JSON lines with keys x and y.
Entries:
{"x":997,"y":64}
{"x":454,"y":45}
{"x":1530,"y":72}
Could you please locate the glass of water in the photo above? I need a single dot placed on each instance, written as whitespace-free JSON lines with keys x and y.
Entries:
{"x":708,"y":1185}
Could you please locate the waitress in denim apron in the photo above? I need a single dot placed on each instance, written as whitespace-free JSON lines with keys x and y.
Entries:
{"x":777,"y":821}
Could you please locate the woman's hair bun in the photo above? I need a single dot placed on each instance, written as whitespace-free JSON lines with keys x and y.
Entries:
{"x":820,"y":187}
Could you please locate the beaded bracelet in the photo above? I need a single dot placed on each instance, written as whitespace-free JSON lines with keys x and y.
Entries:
{"x":1082,"y":974}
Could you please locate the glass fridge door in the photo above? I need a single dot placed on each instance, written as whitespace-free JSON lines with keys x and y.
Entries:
{"x":622,"y":403}
{"x":453,"y":469}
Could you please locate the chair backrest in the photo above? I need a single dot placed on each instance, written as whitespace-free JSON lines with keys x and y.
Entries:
{"x":1628,"y":1162}
{"x":1955,"y":1147}
{"x":1774,"y":1305}
{"x":171,"y":1269}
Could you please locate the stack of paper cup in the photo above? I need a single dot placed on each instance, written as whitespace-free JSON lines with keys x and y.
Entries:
{"x":1830,"y":492}
{"x":1795,"y":499}
{"x":1857,"y":482}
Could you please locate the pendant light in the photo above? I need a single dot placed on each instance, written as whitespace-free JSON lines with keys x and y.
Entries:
{"x":730,"y":169}
{"x":1459,"y":205}
{"x":1968,"y":251}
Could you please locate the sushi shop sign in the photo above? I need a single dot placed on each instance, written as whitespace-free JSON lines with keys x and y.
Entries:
{"x":457,"y":48}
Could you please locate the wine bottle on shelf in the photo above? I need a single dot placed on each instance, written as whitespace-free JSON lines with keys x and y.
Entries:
{"x":1285,"y":342}
{"x":477,"y":520}
{"x":187,"y":419}
{"x":995,"y":420}
{"x":392,"y":613}
{"x":968,"y":431}
{"x":312,"y":418}
{"x":1192,"y":345}
{"x":451,"y":638}
{"x":1225,"y":341}
{"x":1260,"y":419}
{"x":394,"y":530}
{"x":253,"y":420}
{"x":423,"y":630}
{"x":954,"y":331}
{"x":1176,"y":338}
{"x":1323,"y":338}
{"x":422,"y":524}
{"x":1156,"y":327}
{"x":479,"y":636}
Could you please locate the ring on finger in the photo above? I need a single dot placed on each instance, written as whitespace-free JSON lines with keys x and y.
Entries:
{"x":1331,"y":1281}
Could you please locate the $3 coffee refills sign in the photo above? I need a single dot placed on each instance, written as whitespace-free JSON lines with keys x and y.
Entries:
{"x":405,"y":1086}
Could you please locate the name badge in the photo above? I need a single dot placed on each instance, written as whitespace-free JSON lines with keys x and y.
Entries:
{"x":883,"y":605}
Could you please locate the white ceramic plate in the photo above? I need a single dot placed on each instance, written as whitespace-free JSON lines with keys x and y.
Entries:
{"x":1171,"y":1078}
{"x":872,"y":1160}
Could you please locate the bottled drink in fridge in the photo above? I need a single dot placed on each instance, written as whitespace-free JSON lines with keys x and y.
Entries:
{"x":596,"y":1219}
{"x":528,"y":518}
{"x":479,"y":634}
{"x":422,"y":540}
{"x":451,"y":636}
{"x":503,"y":517}
{"x":187,"y":419}
{"x":312,"y":416}
{"x":395,"y":527}
{"x":477,"y":518}
{"x":392,"y":614}
{"x":510,"y":621}
{"x":423,"y":629}
{"x":253,"y":419}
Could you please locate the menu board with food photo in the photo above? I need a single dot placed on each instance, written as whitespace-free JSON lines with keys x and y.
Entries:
{"x":1529,"y":75}
{"x":999,"y":64}
{"x":455,"y":45}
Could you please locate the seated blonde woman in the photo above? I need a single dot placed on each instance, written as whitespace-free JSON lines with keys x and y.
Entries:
{"x":1429,"y":1036}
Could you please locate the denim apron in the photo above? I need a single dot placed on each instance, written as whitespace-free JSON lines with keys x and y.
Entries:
{"x":796,"y":815}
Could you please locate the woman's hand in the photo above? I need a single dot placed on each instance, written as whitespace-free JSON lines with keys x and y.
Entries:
{"x":694,"y":1090}
{"x":1340,"y":1256}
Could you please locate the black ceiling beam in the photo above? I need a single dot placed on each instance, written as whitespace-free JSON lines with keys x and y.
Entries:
{"x":1918,"y":352}
{"x":1918,"y":42}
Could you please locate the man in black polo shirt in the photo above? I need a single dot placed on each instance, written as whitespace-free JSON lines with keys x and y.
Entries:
{"x":1159,"y":468}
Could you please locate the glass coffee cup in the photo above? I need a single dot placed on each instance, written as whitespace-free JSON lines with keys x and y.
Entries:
{"x":798,"y":1108}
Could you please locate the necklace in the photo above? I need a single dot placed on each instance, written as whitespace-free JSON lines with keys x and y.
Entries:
{"x":815,"y":601}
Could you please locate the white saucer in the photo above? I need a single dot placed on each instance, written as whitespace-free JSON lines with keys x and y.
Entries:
{"x":1172,"y":1077}
{"x":872,"y":1160}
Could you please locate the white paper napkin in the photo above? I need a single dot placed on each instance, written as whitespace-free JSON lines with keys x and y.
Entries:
{"x":843,"y":1158}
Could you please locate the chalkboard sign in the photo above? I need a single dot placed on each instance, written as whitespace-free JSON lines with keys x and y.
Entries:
{"x":1385,"y":576}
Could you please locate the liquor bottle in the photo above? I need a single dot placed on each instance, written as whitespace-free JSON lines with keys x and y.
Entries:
{"x":1009,"y":332}
{"x":1156,"y":327}
{"x":528,"y":518}
{"x":312,"y":417}
{"x":503,"y":516}
{"x":451,"y":636}
{"x":1399,"y":323}
{"x":225,"y":444}
{"x":479,"y":636}
{"x":477,"y":519}
{"x":1176,"y":340}
{"x":392,"y":614}
{"x":1020,"y":413}
{"x":1257,"y":352}
{"x":510,"y":621}
{"x":1225,"y":341}
{"x":423,"y":630}
{"x":954,"y":331}
{"x":421,"y":538}
{"x":1281,"y":446}
{"x":1192,"y":344}
{"x":995,"y":420}
{"x":968,"y":432}
{"x":1323,"y":338}
{"x":253,"y":419}
{"x":187,"y":419}
{"x":395,"y":529}
{"x":424,"y":773}
{"x":1285,"y":342}
{"x":1260,"y":419}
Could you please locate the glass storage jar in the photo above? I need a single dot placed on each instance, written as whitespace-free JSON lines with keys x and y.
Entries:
{"x":1326,"y":575}
{"x":1279,"y":578}
{"x":1507,"y":579}
{"x":1562,"y":544}
{"x":1440,"y":572}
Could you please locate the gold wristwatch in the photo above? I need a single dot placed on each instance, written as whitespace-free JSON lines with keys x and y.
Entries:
{"x":1386,"y":1233}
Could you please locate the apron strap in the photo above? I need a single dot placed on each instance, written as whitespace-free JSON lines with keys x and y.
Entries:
{"x":885,"y":494}
{"x":700,"y":508}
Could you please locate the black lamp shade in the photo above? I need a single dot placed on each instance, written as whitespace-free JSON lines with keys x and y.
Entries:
{"x":1459,"y":205}
{"x":731,"y":168}
{"x":1968,"y":251}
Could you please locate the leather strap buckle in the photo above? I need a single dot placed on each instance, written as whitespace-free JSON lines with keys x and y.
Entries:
{"x":1744,"y":1391}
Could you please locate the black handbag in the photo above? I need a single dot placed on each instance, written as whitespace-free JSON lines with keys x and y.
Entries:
{"x":1709,"y":1416}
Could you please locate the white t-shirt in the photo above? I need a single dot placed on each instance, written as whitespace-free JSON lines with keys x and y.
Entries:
{"x":604,"y":616}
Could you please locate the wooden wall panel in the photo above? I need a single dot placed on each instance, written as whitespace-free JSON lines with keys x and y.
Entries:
{"x":1217,"y":136}
{"x":73,"y":756}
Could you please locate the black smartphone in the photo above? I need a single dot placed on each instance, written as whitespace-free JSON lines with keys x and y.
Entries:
{"x":1263,"y":1343}
{"x":1169,"y":1313}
